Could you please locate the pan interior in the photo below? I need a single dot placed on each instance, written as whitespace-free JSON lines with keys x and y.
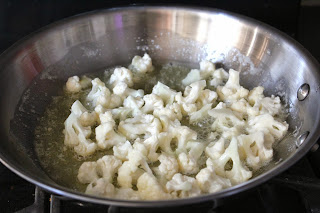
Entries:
{"x":37,"y":69}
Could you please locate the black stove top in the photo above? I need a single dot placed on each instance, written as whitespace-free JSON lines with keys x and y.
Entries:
{"x":296,"y":190}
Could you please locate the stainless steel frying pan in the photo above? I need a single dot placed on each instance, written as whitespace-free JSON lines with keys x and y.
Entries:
{"x":37,"y":66}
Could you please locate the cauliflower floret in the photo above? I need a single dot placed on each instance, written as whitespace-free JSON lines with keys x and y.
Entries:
{"x":74,"y":84}
{"x":206,"y":69}
{"x":232,"y":91}
{"x":150,"y":189}
{"x":88,"y":118}
{"x":77,"y":135}
{"x":107,"y":166}
{"x":134,"y":104}
{"x":192,"y":92}
{"x":151,"y":102}
{"x":152,"y":144}
{"x":164,"y":92}
{"x":253,"y":150}
{"x":121,"y":150}
{"x":200,"y":114}
{"x":122,"y":90}
{"x":242,"y":107}
{"x":121,"y":74}
{"x":219,"y":76}
{"x":183,"y":186}
{"x":101,"y":187}
{"x":215,"y":149}
{"x":127,"y":194}
{"x":226,"y":121}
{"x":206,"y":97}
{"x":136,"y":157}
{"x":168,"y":166}
{"x":195,"y":97}
{"x":255,"y":95}
{"x":209,"y":182}
{"x":121,"y":113}
{"x":188,"y":162}
{"x":238,"y":173}
{"x":267,"y":124}
{"x":88,"y":172}
{"x":193,"y":76}
{"x":172,"y":111}
{"x":140,"y":125}
{"x":263,"y":105}
{"x":100,"y":175}
{"x":142,"y":64}
{"x":182,"y":134}
{"x":105,"y":134}
{"x":99,"y":94}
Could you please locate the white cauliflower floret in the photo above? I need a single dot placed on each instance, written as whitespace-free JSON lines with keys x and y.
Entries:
{"x":127,"y":194}
{"x":243,"y":107}
{"x":206,"y":97}
{"x":192,"y":92}
{"x":121,"y":113}
{"x":182,"y":134}
{"x":74,"y":84}
{"x":193,"y":76}
{"x":210,"y":182}
{"x":88,"y":172}
{"x":253,"y":150}
{"x":140,"y":125}
{"x":263,"y":105}
{"x":255,"y":95}
{"x":142,"y":64}
{"x":219,"y":76}
{"x":195,"y":97}
{"x":99,"y":94}
{"x":121,"y":150}
{"x":267,"y":124}
{"x":88,"y":118}
{"x":168,"y":166}
{"x":164,"y":92}
{"x":77,"y":135}
{"x":226,"y":121}
{"x":232,"y":91}
{"x":152,"y":144}
{"x":122,"y":90}
{"x":238,"y":173}
{"x":150,"y":189}
{"x":183,"y":186}
{"x":134,"y":104}
{"x":104,"y":167}
{"x":121,"y":74}
{"x":151,"y":102}
{"x":105,"y":134}
{"x":206,"y":69}
{"x":200,"y":114}
{"x":136,"y":157}
{"x":188,"y":162}
{"x":99,"y":175}
{"x":107,"y":166}
{"x":215,"y":149}
{"x":101,"y":187}
{"x":172,"y":111}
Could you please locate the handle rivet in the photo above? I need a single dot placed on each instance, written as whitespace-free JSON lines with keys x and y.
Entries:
{"x":303,"y":92}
